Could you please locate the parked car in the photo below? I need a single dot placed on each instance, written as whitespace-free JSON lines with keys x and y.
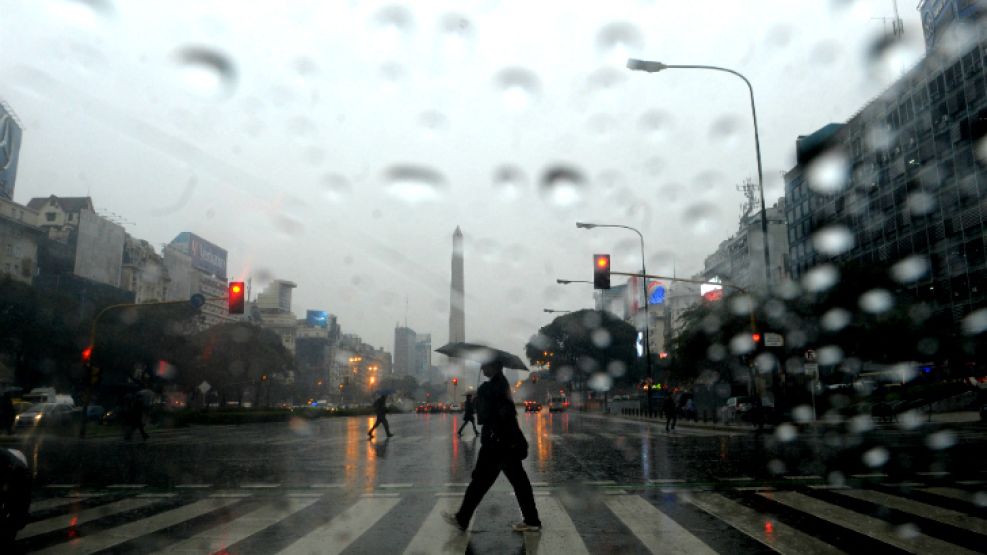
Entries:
{"x":46,"y":415}
{"x":557,"y":404}
{"x":423,"y":407}
{"x":532,"y":406}
{"x":15,"y":494}
{"x":455,"y":407}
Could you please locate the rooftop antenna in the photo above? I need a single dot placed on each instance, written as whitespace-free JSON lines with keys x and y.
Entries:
{"x":405,"y":310}
{"x":750,"y":194}
{"x":897,"y":25}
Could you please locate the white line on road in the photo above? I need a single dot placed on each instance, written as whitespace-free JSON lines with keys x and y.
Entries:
{"x":946,"y":516}
{"x":337,"y":534}
{"x":599,"y":483}
{"x":438,"y":536}
{"x":539,"y":484}
{"x":157,"y":495}
{"x":62,"y":486}
{"x":779,"y":536}
{"x":459,"y":484}
{"x":259,"y":486}
{"x":106,"y":539}
{"x":804,"y":477}
{"x":229,"y":495}
{"x":871,"y":475}
{"x":127,"y":486}
{"x":383,"y":495}
{"x":45,"y":504}
{"x":658,"y":532}
{"x":399,"y":485}
{"x":82,"y":517}
{"x":558,"y":533}
{"x":861,"y":523}
{"x":326,"y":486}
{"x":666,"y":481}
{"x":194,"y":486}
{"x":226,"y":534}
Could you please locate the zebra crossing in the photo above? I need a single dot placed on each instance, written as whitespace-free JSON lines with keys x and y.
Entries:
{"x":930,"y":518}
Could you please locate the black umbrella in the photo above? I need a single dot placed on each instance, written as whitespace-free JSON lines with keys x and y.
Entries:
{"x":481,"y":354}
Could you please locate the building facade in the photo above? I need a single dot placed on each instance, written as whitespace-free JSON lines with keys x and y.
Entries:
{"x":274,"y":307}
{"x":914,"y":184}
{"x":739,"y":260}
{"x":10,"y":148}
{"x":19,"y":240}
{"x":143,"y":271}
{"x":404,"y":350}
{"x":195,"y":265}
{"x":423,"y":356}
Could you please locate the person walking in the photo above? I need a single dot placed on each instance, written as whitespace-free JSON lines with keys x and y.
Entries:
{"x":502,"y":448}
{"x":380,"y":406}
{"x":671,"y":413}
{"x":468,"y":415}
{"x":134,"y":411}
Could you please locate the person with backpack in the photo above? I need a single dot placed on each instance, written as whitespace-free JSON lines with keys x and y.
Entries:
{"x":502,"y":448}
{"x":380,"y":407}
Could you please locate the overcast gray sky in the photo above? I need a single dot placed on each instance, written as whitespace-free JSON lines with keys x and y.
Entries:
{"x":338,"y":144}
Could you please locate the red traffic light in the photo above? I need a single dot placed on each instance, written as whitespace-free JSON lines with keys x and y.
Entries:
{"x":601,"y":271}
{"x":87,"y":354}
{"x":756,"y":337}
{"x":236,"y":297}
{"x":455,"y":381}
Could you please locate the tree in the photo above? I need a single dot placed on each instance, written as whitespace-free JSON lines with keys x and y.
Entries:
{"x":579,"y":344}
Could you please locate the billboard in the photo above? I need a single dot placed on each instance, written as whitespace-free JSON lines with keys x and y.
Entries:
{"x":10,"y":146}
{"x":939,"y":14}
{"x":656,"y":292}
{"x":317,"y":318}
{"x":205,"y":255}
{"x":711,"y":291}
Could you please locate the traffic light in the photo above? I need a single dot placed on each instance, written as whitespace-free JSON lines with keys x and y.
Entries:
{"x":455,"y":381}
{"x":756,"y":337}
{"x":601,"y":271}
{"x":87,"y":354}
{"x":236,"y":294}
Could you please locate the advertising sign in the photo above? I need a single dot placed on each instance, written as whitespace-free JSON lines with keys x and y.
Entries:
{"x":711,"y":291}
{"x":205,"y":255}
{"x":656,"y":292}
{"x":317,"y":318}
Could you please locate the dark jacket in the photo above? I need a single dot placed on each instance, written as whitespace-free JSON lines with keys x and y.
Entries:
{"x":495,"y":411}
{"x":380,"y":406}
{"x":468,"y":409}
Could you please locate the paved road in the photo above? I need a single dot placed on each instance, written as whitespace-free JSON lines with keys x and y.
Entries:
{"x":602,"y":486}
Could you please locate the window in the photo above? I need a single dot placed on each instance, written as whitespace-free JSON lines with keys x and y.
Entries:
{"x":50,"y":216}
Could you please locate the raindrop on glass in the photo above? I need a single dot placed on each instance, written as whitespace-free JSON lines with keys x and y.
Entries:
{"x":457,"y":35}
{"x":829,"y":355}
{"x":875,"y":457}
{"x":829,"y":172}
{"x":414,"y":184}
{"x":432,"y":121}
{"x":509,"y":182}
{"x":975,"y":322}
{"x":802,"y":414}
{"x":616,"y":368}
{"x":206,"y":72}
{"x":602,"y":125}
{"x":876,"y":301}
{"x":701,"y":217}
{"x":833,"y":240}
{"x":910,"y":269}
{"x":335,"y":187}
{"x":518,"y":87}
{"x":619,"y":40}
{"x":821,"y":278}
{"x":835,"y":319}
{"x":879,"y":137}
{"x":563,"y":186}
{"x":600,"y":382}
{"x":716,"y":352}
{"x":601,"y":338}
{"x":725,"y":128}
{"x":742,"y":343}
{"x":393,"y":24}
{"x":943,"y":439}
{"x":785,"y":432}
{"x":921,"y":203}
{"x":656,"y":124}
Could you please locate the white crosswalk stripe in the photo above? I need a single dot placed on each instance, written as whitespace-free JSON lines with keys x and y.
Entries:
{"x":55,"y":502}
{"x":436,"y":535}
{"x":120,"y":534}
{"x":864,"y":524}
{"x":656,"y":531}
{"x":946,"y":516}
{"x":222,"y":536}
{"x":651,"y":528}
{"x":341,"y":531}
{"x":777,"y":536}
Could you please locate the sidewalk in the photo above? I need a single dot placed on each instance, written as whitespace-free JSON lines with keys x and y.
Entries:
{"x":680,"y":424}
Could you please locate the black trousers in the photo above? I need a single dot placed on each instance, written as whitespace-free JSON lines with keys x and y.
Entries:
{"x":470,"y":420}
{"x":671,"y":417}
{"x":381,"y":419}
{"x":490,"y":462}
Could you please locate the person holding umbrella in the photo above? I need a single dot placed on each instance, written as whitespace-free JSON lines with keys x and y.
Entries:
{"x":502,"y":448}
{"x":380,"y":407}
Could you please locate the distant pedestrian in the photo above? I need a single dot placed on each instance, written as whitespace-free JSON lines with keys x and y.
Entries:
{"x":671,"y":413}
{"x":468,"y":415}
{"x":380,"y":407}
{"x":133,"y":414}
{"x":7,"y":413}
{"x":690,"y":409}
{"x":502,"y":448}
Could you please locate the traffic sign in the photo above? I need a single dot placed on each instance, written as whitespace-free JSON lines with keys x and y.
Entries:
{"x":774,"y":340}
{"x":812,"y":369}
{"x":810,"y":355}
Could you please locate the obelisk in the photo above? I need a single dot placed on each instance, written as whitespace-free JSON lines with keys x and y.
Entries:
{"x":457,"y":298}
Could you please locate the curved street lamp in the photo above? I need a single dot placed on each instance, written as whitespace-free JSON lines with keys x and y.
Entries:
{"x":654,"y":67}
{"x":644,"y":289}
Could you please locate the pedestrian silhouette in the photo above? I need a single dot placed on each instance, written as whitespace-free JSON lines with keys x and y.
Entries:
{"x":502,"y":448}
{"x":468,"y":411}
{"x":7,"y":413}
{"x":380,"y":407}
{"x":133,"y":413}
{"x":671,"y":413}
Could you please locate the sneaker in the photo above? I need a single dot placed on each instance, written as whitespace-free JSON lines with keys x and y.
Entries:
{"x":525,"y":527}
{"x":452,"y":519}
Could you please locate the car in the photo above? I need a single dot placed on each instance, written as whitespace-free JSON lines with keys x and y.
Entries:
{"x":424,"y":407}
{"x":557,"y":404}
{"x":47,"y":415}
{"x":15,"y":494}
{"x":95,"y":413}
{"x":532,"y":406}
{"x":455,"y":407}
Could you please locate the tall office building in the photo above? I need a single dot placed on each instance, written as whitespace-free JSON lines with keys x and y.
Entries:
{"x":404,"y":350}
{"x":914,"y":191}
{"x":457,"y":308}
{"x":10,"y":147}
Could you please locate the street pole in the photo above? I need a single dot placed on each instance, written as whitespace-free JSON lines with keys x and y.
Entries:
{"x":644,"y":298}
{"x":655,"y":67}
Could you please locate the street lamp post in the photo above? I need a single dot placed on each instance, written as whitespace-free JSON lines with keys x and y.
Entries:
{"x":553,"y":311}
{"x":655,"y":67}
{"x":568,"y":281}
{"x":644,"y":290}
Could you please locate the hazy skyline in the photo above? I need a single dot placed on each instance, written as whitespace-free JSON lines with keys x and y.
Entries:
{"x":339,"y":146}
